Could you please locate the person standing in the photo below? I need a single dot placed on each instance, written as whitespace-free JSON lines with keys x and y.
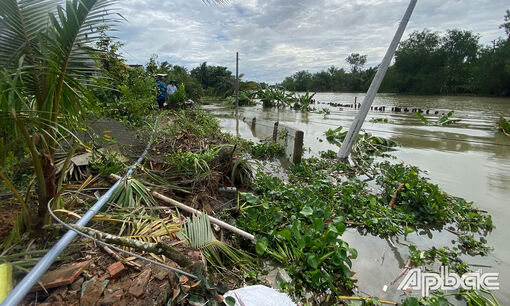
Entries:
{"x":161,"y":92}
{"x":171,"y":88}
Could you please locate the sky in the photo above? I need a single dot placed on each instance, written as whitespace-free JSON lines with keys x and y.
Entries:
{"x":276,"y":38}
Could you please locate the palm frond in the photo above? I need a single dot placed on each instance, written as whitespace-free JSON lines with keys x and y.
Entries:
{"x":132,"y":193}
{"x":198,"y":233}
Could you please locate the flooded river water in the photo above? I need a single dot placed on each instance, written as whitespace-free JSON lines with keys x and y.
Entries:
{"x":469,"y":159}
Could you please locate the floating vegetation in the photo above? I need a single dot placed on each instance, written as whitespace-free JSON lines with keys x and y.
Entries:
{"x":504,"y":126}
{"x":379,"y":120}
{"x":298,"y":222}
{"x":442,"y":121}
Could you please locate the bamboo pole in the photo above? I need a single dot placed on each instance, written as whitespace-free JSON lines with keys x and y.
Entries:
{"x":345,"y":149}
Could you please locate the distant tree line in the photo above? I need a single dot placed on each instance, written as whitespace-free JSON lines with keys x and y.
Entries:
{"x":426,"y":63}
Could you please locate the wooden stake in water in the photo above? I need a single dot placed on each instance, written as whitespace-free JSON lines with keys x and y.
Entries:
{"x":345,"y":149}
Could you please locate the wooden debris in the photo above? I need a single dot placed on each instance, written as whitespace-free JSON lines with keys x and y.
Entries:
{"x":137,"y":289}
{"x":120,"y":258}
{"x":394,"y":198}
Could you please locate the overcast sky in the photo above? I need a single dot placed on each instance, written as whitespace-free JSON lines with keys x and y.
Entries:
{"x":276,"y":38}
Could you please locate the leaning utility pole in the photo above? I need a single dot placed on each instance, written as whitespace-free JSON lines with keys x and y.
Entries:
{"x":237,"y":85}
{"x":345,"y":149}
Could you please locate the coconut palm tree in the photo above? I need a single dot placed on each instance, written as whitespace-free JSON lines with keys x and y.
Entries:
{"x":44,"y":59}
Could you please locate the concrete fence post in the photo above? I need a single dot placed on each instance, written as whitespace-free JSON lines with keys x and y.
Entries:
{"x":275,"y":131}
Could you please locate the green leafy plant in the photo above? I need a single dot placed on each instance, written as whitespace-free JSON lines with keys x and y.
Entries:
{"x":379,"y":120}
{"x":199,"y":235}
{"x":245,"y":99}
{"x":504,"y":126}
{"x":267,"y":150}
{"x":302,"y":102}
{"x":106,"y":162}
{"x":442,"y":121}
{"x":132,"y":193}
{"x":274,"y":97}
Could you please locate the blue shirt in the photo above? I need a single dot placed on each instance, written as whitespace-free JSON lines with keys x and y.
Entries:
{"x":161,"y":87}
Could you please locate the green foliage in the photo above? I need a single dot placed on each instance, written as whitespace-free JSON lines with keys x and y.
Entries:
{"x":136,"y":96}
{"x":45,"y":62}
{"x":106,"y":163}
{"x":275,"y":97}
{"x":132,"y":193}
{"x":195,"y":163}
{"x":302,"y":102}
{"x":267,"y":150}
{"x":504,"y":126}
{"x":438,"y":298}
{"x":297,"y":223}
{"x":245,"y":99}
{"x":178,"y":97}
{"x":452,"y":62}
{"x":194,"y":121}
{"x":379,"y":120}
{"x":199,"y":235}
{"x":366,"y":146}
{"x":426,"y":202}
{"x":444,"y":120}
{"x":295,"y":227}
{"x":216,"y":80}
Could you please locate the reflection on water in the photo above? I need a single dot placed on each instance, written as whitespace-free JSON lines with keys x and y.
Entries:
{"x":458,"y":158}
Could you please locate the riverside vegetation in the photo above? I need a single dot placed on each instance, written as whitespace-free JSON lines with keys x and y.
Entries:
{"x":298,"y":220}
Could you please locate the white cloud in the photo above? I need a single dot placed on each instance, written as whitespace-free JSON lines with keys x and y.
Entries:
{"x":276,"y":38}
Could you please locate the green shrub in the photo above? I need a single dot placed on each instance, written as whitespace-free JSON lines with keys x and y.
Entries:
{"x":267,"y":150}
{"x":106,"y":163}
{"x":178,"y":97}
{"x":504,"y":126}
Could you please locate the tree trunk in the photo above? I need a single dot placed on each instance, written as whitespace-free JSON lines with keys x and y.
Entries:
{"x":49,"y":171}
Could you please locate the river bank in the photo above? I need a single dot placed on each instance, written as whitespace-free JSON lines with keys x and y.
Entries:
{"x":463,"y":164}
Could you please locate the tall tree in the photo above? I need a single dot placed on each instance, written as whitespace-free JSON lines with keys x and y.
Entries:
{"x":460,"y":49}
{"x":356,"y":61}
{"x":419,"y":63}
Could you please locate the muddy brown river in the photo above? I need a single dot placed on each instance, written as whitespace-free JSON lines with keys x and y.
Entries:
{"x":470,"y":159}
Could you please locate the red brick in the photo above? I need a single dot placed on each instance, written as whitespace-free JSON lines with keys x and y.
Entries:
{"x":116,"y":269}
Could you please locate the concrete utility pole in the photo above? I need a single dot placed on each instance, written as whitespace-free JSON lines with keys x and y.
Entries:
{"x":345,"y":149}
{"x":237,"y":85}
